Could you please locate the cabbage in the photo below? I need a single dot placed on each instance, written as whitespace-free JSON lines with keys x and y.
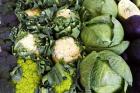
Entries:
{"x":105,"y":72}
{"x":100,"y":7}
{"x":104,"y":32}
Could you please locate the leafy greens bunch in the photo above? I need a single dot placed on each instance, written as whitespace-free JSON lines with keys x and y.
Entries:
{"x":51,"y":17}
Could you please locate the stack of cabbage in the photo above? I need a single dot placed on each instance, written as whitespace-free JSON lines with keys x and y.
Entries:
{"x":63,"y":44}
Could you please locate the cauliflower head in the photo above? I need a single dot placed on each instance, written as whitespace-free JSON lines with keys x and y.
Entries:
{"x":65,"y":49}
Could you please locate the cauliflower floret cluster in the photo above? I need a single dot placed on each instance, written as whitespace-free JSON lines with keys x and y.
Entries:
{"x":30,"y":77}
{"x":33,"y":12}
{"x":66,"y":49}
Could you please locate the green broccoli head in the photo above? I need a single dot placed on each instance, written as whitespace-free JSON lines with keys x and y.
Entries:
{"x":25,"y":76}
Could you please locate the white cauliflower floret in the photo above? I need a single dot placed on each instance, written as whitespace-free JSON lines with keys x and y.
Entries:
{"x":33,"y":12}
{"x":67,"y":13}
{"x":28,"y":43}
{"x":65,"y":49}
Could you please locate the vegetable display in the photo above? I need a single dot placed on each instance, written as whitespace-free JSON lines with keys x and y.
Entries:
{"x":73,"y":46}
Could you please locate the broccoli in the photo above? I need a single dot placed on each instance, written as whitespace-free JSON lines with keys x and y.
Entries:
{"x":26,"y":77}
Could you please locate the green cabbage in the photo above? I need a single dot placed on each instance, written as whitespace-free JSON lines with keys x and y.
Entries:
{"x":105,"y":72}
{"x":100,"y":7}
{"x":104,"y":32}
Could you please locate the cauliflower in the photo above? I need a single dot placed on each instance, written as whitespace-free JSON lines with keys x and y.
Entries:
{"x":28,"y":43}
{"x":65,"y":49}
{"x":67,"y":13}
{"x":33,"y":12}
{"x":67,"y":23}
{"x":29,"y":78}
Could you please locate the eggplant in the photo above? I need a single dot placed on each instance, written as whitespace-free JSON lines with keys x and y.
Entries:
{"x":133,"y":51}
{"x":132,"y":27}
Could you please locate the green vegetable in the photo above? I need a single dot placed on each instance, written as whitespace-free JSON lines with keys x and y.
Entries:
{"x":104,"y":32}
{"x":100,"y":7}
{"x":35,"y":19}
{"x":59,"y":79}
{"x":25,"y":76}
{"x":28,"y":44}
{"x":105,"y":72}
{"x":67,"y":22}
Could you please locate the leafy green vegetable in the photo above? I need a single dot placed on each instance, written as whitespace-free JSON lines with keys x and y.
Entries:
{"x":100,"y":7}
{"x":104,"y":32}
{"x":105,"y":72}
{"x":59,"y":79}
{"x":26,"y":76}
{"x":28,"y":44}
{"x":67,"y":22}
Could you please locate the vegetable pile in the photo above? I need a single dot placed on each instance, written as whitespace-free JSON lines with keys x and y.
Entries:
{"x":74,"y":46}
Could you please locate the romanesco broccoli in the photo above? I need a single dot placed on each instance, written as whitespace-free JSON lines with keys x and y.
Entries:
{"x":65,"y":85}
{"x":30,"y":77}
